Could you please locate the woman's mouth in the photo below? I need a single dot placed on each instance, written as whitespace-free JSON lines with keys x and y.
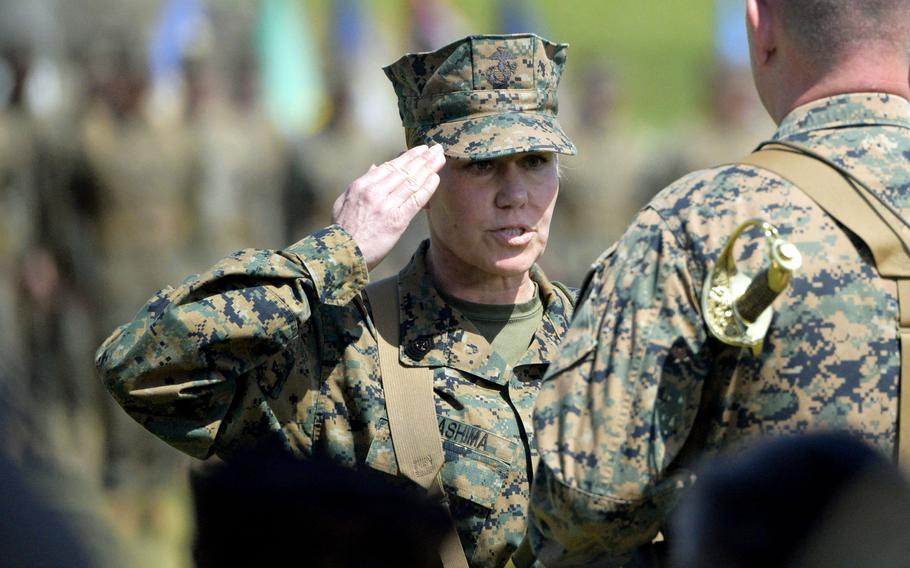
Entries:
{"x":514,"y":236}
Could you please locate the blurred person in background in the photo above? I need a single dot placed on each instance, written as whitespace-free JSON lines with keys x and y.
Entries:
{"x":17,"y":199}
{"x":726,"y":130}
{"x":50,"y":408}
{"x":358,"y":95}
{"x":599,"y":198}
{"x":813,"y":501}
{"x":292,"y":343}
{"x":730,"y":117}
{"x":141,"y":168}
{"x":244,"y":196}
{"x":145,"y":169}
{"x":640,"y":389}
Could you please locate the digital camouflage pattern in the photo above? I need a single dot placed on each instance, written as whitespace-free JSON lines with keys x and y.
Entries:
{"x":281,"y":342}
{"x":639,"y":390}
{"x":483,"y":96}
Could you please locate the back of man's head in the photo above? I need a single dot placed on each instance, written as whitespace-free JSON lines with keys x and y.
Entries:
{"x":816,"y":500}
{"x":827,"y":30}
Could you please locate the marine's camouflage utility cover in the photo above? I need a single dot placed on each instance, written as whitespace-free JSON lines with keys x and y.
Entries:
{"x":281,"y":343}
{"x":483,"y":96}
{"x":639,"y":384}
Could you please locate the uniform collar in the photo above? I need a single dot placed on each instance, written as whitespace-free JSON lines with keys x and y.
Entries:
{"x":853,"y":109}
{"x":433,"y":334}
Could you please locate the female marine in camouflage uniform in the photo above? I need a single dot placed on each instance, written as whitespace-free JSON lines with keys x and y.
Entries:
{"x":284,"y":343}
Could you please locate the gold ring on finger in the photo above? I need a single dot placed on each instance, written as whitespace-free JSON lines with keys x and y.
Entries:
{"x":412,"y":184}
{"x":395,"y":169}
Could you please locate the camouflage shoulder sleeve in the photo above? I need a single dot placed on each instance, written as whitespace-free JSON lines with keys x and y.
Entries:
{"x":617,"y":403}
{"x":178,"y":367}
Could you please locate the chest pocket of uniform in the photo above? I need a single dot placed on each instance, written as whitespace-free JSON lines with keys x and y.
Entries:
{"x":477,"y":461}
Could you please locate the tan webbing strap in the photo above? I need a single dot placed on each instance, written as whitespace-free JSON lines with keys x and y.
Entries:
{"x":411,"y":409}
{"x":903,"y":447}
{"x":886,"y":235}
{"x":408,"y":394}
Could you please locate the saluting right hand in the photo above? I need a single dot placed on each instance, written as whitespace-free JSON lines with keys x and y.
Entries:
{"x":378,"y":206}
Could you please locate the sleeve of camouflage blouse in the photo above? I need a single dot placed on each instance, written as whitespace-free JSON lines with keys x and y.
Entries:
{"x":195,"y":365}
{"x":617,"y":404}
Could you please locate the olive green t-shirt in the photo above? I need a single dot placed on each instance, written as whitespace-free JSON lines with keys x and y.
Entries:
{"x":508,"y":327}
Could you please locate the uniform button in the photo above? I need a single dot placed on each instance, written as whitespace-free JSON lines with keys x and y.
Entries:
{"x":418,"y":348}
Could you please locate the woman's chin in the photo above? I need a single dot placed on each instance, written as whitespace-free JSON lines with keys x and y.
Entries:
{"x":515,"y":266}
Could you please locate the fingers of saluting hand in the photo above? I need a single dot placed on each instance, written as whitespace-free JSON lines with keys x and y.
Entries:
{"x":418,"y":179}
{"x":389,"y":176}
{"x":380,"y":182}
{"x":378,"y":206}
{"x":410,"y":161}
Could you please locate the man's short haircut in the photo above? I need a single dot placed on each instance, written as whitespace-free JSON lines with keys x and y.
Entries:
{"x":826,"y":28}
{"x":820,"y":499}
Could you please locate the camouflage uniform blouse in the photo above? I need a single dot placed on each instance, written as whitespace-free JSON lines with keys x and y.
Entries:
{"x":638,"y":384}
{"x":281,"y":342}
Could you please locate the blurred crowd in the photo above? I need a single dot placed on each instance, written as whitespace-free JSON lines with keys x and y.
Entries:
{"x":141,"y":142}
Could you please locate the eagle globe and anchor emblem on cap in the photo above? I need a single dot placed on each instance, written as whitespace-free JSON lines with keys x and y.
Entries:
{"x":499,"y":74}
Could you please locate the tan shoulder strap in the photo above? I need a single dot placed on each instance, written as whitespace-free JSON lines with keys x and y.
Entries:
{"x":408,"y":394}
{"x":883,"y":230}
{"x":885,"y":233}
{"x":411,"y":409}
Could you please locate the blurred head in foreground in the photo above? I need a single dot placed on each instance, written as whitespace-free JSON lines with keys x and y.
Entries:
{"x":265,"y":506}
{"x":811,"y":501}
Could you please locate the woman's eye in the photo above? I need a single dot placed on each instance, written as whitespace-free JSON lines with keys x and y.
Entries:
{"x":480,"y":166}
{"x":535,"y":161}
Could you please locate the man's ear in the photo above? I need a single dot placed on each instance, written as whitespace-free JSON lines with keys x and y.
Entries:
{"x":761,"y":30}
